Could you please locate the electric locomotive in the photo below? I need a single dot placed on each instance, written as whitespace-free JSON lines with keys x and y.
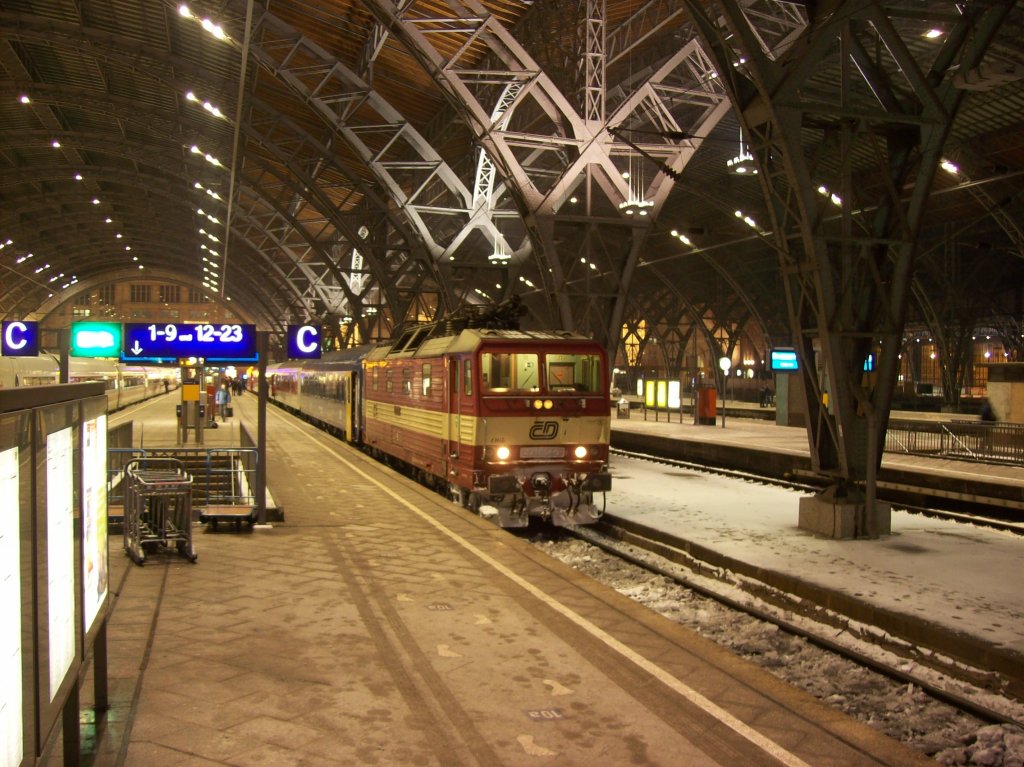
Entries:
{"x":512,"y":424}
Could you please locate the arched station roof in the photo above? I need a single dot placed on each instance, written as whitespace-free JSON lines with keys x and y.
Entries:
{"x":367,"y":163}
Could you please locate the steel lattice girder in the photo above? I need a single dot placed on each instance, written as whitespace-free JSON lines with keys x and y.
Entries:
{"x":847,"y":276}
{"x":546,"y":150}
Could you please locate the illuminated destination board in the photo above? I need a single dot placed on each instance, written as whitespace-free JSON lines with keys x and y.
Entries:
{"x":170,"y":342}
{"x":95,"y":339}
{"x":784,"y":359}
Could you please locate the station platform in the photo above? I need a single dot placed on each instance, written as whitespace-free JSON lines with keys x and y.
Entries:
{"x":381,"y":625}
{"x":761,"y":439}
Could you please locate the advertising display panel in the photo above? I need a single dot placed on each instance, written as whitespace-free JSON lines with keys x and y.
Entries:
{"x":17,"y":648}
{"x":674,"y":395}
{"x":95,"y":567}
{"x":60,"y":545}
{"x":12,"y":693}
{"x":59,"y":649}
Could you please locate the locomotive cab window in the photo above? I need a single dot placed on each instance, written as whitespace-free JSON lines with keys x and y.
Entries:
{"x":573,"y":372}
{"x":509,"y":372}
{"x":426,"y":380}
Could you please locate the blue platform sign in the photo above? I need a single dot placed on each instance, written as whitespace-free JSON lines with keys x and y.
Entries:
{"x":171,"y":342}
{"x":784,"y":360}
{"x":20,"y":338}
{"x":304,"y":342}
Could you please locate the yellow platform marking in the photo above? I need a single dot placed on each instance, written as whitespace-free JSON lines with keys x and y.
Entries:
{"x":446,"y":652}
{"x":526,"y":741}
{"x":556,"y":688}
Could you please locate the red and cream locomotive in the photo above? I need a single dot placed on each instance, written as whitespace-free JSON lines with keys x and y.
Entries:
{"x":513,"y":424}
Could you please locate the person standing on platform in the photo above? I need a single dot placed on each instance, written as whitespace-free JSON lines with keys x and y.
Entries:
{"x":223,"y":399}
{"x":987,"y":413}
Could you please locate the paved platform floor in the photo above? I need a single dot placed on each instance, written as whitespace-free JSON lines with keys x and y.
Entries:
{"x":378,"y":625}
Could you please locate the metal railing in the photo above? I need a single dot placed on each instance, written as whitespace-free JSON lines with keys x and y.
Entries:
{"x":223,"y":476}
{"x":965,"y":440}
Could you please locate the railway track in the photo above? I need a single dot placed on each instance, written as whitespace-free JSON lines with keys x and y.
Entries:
{"x":662,"y":557}
{"x":985,"y":512}
{"x":943,"y":703}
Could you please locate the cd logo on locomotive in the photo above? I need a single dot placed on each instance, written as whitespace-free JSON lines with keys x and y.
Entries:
{"x":544,"y":430}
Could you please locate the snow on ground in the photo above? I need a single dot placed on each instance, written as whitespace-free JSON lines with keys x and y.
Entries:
{"x":957,"y":575}
{"x":963,"y":577}
{"x":901,"y":711}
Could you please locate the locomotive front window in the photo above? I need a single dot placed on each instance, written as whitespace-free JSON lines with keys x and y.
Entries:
{"x":509,"y":372}
{"x":573,"y":372}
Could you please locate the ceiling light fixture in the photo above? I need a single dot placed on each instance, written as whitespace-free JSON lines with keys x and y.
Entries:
{"x":743,"y":163}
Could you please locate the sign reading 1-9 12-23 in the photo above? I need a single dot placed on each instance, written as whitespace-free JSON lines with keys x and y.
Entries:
{"x":175,"y":341}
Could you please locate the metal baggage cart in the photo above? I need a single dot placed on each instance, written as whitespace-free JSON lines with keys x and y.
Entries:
{"x":157,"y":507}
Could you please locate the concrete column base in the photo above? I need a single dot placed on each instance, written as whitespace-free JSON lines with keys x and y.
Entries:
{"x":842,"y":518}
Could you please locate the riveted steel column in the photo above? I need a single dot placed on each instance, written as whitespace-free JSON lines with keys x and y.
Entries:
{"x":262,"y":345}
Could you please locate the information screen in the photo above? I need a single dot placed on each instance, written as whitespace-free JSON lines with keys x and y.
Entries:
{"x":171,"y":342}
{"x":60,"y":559}
{"x":95,"y":339}
{"x":94,"y":517}
{"x":12,"y":746}
{"x":784,"y":359}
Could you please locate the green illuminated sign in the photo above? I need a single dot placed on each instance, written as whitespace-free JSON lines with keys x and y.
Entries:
{"x":95,"y":339}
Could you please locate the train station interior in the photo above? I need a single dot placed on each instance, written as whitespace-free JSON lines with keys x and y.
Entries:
{"x":789,"y":231}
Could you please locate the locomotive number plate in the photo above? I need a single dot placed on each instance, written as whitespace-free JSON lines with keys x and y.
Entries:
{"x":542,"y":451}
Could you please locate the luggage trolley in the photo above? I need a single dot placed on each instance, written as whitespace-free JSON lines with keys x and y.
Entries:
{"x":157,"y":507}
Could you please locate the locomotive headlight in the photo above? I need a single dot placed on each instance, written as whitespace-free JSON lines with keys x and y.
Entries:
{"x":580,"y":452}
{"x":548,"y":404}
{"x":502,"y":453}
{"x":538,"y":404}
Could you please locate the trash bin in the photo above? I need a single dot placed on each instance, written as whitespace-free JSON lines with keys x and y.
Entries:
{"x":706,"y":411}
{"x":622,"y":408}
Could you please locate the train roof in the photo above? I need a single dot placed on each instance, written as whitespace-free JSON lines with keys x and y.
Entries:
{"x":342,"y":359}
{"x":417,"y":342}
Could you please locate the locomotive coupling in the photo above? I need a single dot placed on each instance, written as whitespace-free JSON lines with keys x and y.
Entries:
{"x":541,"y":483}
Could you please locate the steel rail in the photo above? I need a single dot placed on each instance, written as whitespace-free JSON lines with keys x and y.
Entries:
{"x":603,"y":542}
